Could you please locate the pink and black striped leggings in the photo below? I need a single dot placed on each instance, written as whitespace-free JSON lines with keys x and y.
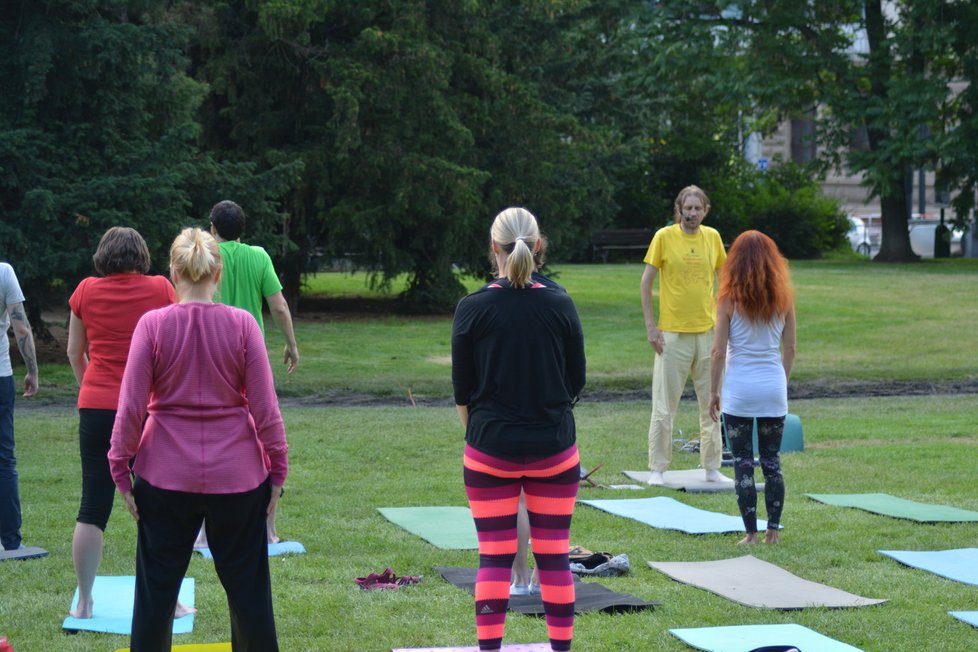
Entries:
{"x":493,"y":487}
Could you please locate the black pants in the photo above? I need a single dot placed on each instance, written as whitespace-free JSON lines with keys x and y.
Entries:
{"x":98,"y":488}
{"x":740,"y":432}
{"x":168,"y":525}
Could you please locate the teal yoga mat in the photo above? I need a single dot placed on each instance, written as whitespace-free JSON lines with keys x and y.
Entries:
{"x":970,"y":617}
{"x":888,"y":505}
{"x":960,"y":564}
{"x":739,"y":638}
{"x":449,"y":528}
{"x":113,"y":596}
{"x":274,"y":549}
{"x":792,"y":437}
{"x":670,"y":514}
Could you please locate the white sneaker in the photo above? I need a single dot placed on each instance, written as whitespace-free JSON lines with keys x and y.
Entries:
{"x":519,"y":589}
{"x":712,"y":475}
{"x":655,"y":478}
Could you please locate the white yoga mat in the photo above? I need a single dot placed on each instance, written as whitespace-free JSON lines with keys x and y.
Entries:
{"x":691,"y":481}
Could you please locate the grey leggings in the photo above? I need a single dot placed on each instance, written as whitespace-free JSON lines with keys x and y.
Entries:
{"x":740,"y":434}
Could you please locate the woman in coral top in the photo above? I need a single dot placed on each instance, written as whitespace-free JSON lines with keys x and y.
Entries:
{"x":198,"y":413}
{"x":104,"y":312}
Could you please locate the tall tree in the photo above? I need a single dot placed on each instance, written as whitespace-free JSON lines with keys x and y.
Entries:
{"x":97,"y":129}
{"x":878,"y":76}
{"x":416,"y":120}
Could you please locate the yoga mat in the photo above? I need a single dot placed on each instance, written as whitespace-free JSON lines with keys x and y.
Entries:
{"x":690,"y":480}
{"x":670,"y":514}
{"x":960,"y":564}
{"x":27,"y":552}
{"x":792,"y":437}
{"x":195,"y":647}
{"x":514,"y":647}
{"x":740,"y":638}
{"x":113,"y":597}
{"x":755,"y":583}
{"x":970,"y":617}
{"x":590,"y":596}
{"x":888,"y":505}
{"x":274,"y":549}
{"x":449,"y":528}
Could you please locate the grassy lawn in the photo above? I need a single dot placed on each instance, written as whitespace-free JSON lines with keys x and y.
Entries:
{"x":346,"y":462}
{"x":857,"y":322}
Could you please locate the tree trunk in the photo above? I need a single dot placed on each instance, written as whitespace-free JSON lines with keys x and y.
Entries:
{"x":895,"y":241}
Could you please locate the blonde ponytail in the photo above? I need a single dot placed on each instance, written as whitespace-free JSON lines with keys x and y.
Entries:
{"x":516,"y":232}
{"x":195,"y":255}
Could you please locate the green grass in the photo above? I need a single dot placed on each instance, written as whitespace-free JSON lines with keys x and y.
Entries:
{"x":346,"y":462}
{"x":858,"y":321}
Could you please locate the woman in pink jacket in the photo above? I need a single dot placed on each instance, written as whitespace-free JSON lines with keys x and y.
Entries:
{"x":196,"y":410}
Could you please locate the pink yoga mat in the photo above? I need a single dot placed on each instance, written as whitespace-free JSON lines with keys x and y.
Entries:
{"x":515,"y":647}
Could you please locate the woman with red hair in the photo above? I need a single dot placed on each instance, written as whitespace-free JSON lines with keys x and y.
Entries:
{"x":753,"y":352}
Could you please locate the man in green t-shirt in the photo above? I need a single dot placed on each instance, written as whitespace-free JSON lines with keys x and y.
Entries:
{"x":247,"y":275}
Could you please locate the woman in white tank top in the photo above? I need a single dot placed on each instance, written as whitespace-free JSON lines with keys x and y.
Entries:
{"x":753,"y":351}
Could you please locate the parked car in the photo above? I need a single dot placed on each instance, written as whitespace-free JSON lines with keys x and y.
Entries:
{"x":922,"y":238}
{"x":859,"y":236}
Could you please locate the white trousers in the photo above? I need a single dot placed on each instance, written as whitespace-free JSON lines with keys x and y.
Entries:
{"x":683,"y":355}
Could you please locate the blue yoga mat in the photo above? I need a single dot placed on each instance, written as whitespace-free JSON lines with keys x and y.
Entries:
{"x":970,"y":617}
{"x":739,"y":638}
{"x":670,"y":514}
{"x":960,"y":564}
{"x":113,"y":596}
{"x":274,"y":549}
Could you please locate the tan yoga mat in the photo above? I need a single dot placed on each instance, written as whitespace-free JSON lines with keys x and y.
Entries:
{"x":754,"y":582}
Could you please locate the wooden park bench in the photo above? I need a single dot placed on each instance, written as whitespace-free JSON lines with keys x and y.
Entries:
{"x":607,"y":240}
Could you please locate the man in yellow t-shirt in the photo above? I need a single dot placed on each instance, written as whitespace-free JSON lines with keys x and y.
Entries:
{"x":686,"y":257}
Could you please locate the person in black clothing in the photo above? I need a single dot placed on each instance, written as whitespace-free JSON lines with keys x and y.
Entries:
{"x":518,"y":367}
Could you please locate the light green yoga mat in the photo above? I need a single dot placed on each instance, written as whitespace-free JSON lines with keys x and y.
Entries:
{"x":888,"y":505}
{"x":450,"y":528}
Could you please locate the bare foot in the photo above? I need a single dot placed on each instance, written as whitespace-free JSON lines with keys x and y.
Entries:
{"x":750,"y":538}
{"x":273,"y":537}
{"x":772,"y":536}
{"x":83,"y":610}
{"x":182,"y":610}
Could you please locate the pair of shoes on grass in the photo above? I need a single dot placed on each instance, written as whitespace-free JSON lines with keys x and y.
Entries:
{"x":385,"y":580}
